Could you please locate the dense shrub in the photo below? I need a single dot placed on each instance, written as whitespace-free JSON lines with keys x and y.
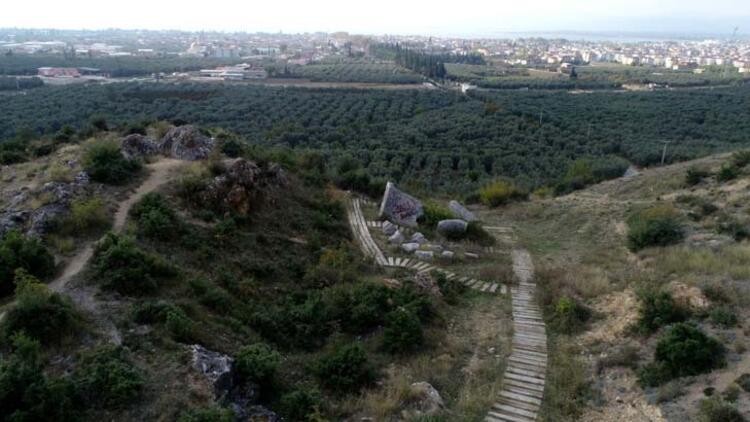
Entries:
{"x":717,"y":410}
{"x":403,"y":331}
{"x":107,"y":378}
{"x":345,"y":369}
{"x":208,"y":414}
{"x":476,"y":233}
{"x":452,"y":290}
{"x":727,"y":172}
{"x":658,"y":309}
{"x":570,"y":316}
{"x":683,"y":350}
{"x":18,"y":251}
{"x":152,"y":312}
{"x":179,"y":325}
{"x":741,"y":159}
{"x":44,"y":316}
{"x":499,"y":193}
{"x":104,"y":163}
{"x":358,"y":308}
{"x":723,"y":316}
{"x":120,"y":265}
{"x":27,"y":394}
{"x":695,"y":175}
{"x":300,"y":404}
{"x":335,"y":266}
{"x":257,"y":362}
{"x":156,"y":219}
{"x":656,"y":226}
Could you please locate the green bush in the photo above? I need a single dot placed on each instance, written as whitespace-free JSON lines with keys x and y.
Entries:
{"x":208,"y":414}
{"x":108,"y":379}
{"x":27,"y":394}
{"x":179,"y":324}
{"x":257,"y":362}
{"x":683,"y":350}
{"x":433,"y":213}
{"x":741,"y":159}
{"x":569,"y":315}
{"x":727,"y":172}
{"x":18,"y":251}
{"x":104,"y":163}
{"x":402,"y":332}
{"x":300,"y":404}
{"x":499,"y":193}
{"x":723,"y":316}
{"x":156,"y":219}
{"x":452,"y":290}
{"x":345,"y":369}
{"x":86,"y":216}
{"x":658,"y":309}
{"x":121,"y":266}
{"x":476,"y":233}
{"x":717,"y":410}
{"x":44,"y":316}
{"x":695,"y":175}
{"x":656,"y":226}
{"x":152,"y":312}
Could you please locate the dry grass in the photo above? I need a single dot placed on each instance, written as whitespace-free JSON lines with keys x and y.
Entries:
{"x":732,"y":261}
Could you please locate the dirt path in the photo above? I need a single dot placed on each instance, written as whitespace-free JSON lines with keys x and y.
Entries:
{"x":84,"y":298}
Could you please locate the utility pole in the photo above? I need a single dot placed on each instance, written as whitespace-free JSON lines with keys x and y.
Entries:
{"x":664,"y":151}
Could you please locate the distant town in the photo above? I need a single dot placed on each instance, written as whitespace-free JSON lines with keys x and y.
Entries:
{"x":245,"y":56}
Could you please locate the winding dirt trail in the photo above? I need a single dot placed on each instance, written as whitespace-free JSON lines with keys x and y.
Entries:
{"x":159,"y":173}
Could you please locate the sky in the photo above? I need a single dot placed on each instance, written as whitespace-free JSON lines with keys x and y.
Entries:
{"x":435,"y":17}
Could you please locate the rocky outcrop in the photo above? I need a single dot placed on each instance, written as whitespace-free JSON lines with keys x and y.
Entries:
{"x":138,"y":146}
{"x":244,"y":186}
{"x":186,"y":143}
{"x":459,"y":211}
{"x":216,"y":367}
{"x":425,"y":399}
{"x":400,"y":207}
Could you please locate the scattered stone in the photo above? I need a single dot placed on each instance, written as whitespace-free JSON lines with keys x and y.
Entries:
{"x":418,"y":238}
{"x":452,"y":228}
{"x":397,"y":238}
{"x":138,"y":146}
{"x":389,"y":228}
{"x":448,"y":254}
{"x":471,"y":255}
{"x":425,"y":255}
{"x":433,"y":247}
{"x":186,"y":143}
{"x":426,"y":398}
{"x":410,"y":247}
{"x":392,"y":283}
{"x":400,"y":207}
{"x":43,"y":218}
{"x":459,"y":211}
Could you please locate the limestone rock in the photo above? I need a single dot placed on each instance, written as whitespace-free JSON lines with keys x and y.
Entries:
{"x":244,"y":186}
{"x":452,"y":228}
{"x":688,"y":296}
{"x":427,"y":399}
{"x":425,"y":255}
{"x":216,"y":367}
{"x":418,"y":238}
{"x":410,"y":247}
{"x":447,"y":254}
{"x":13,"y":220}
{"x":397,"y":238}
{"x":186,"y":143}
{"x":471,"y":255}
{"x":389,"y":228}
{"x":138,"y":146}
{"x":459,"y":211}
{"x":400,"y":207}
{"x":425,"y":283}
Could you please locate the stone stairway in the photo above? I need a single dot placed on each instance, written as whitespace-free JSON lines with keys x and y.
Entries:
{"x":361,"y":232}
{"x":523,"y":383}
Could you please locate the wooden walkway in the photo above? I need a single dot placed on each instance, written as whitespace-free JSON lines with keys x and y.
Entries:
{"x":361,"y":232}
{"x":523,"y":383}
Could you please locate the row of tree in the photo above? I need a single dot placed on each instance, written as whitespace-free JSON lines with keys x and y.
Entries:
{"x":429,"y":64}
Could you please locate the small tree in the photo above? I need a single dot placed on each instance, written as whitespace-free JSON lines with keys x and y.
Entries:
{"x":656,"y":226}
{"x":403,"y":331}
{"x":104,"y":162}
{"x":18,"y":251}
{"x":257,"y":362}
{"x":345,"y":369}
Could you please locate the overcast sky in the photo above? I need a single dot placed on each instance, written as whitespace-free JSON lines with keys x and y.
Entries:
{"x":436,"y":17}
